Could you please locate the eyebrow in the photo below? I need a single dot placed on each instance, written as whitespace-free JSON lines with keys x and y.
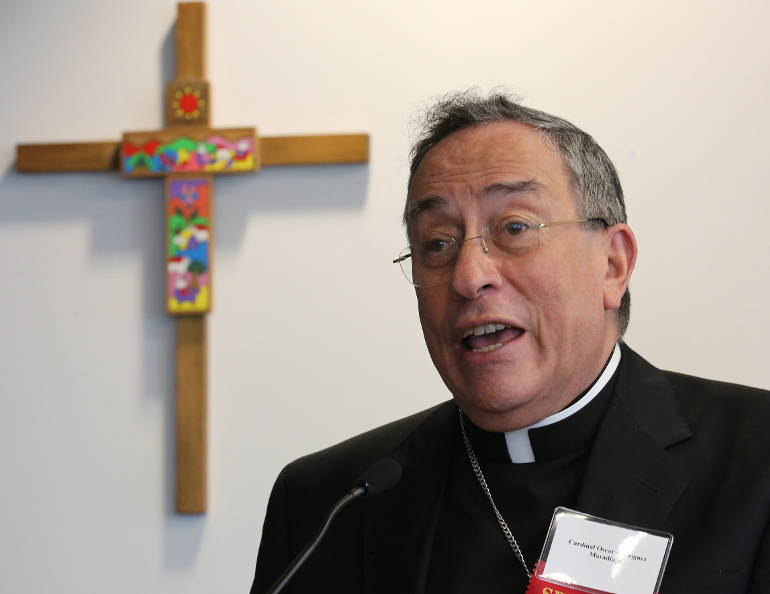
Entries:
{"x":434,"y":203}
{"x":505,"y":189}
{"x":426,"y":204}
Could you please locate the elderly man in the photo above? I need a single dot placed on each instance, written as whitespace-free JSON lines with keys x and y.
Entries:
{"x":521,"y":257}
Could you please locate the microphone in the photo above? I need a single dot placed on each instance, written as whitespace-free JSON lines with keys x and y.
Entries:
{"x":379,"y":477}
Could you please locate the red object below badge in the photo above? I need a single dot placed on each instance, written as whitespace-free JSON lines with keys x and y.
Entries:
{"x":538,"y":585}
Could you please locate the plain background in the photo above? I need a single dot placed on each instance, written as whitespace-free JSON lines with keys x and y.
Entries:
{"x":315,"y":336}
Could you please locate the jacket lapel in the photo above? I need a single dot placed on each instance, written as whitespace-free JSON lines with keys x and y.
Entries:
{"x":631,"y":478}
{"x":407,"y":515}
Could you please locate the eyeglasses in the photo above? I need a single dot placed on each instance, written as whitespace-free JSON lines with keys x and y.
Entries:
{"x":430,"y":261}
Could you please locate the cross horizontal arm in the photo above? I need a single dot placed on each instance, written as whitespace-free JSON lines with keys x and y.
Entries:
{"x":314,"y":150}
{"x":79,"y":156}
{"x":275,"y":150}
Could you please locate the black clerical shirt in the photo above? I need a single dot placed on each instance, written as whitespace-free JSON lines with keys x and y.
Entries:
{"x":470,"y":552}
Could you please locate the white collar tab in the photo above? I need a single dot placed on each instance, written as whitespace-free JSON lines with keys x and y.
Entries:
{"x":519,"y":446}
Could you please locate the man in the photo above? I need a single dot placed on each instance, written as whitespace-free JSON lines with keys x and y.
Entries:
{"x":521,"y":257}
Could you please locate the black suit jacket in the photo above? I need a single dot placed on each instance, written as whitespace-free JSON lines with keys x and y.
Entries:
{"x":674,"y":453}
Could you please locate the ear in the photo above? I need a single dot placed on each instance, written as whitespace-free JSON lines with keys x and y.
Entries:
{"x":621,"y":259}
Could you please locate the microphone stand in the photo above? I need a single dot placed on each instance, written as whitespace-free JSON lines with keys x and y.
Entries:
{"x":353,"y":494}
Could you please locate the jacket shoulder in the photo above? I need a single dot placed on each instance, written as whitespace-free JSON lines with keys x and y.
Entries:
{"x":716,"y":389}
{"x":670,"y":404}
{"x":702,"y":401}
{"x":339,"y":465}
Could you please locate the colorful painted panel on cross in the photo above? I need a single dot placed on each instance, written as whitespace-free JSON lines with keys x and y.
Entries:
{"x":169,"y":151}
{"x":188,"y":266}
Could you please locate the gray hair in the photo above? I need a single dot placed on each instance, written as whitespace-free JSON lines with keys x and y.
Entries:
{"x":595,"y":183}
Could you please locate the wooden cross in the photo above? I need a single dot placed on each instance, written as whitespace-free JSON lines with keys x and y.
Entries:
{"x":188,"y":153}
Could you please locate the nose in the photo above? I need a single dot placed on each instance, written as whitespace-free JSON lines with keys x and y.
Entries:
{"x":475,"y":270}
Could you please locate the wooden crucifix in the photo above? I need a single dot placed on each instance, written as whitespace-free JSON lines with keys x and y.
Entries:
{"x":188,"y":153}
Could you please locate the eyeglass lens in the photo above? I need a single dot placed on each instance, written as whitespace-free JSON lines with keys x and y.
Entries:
{"x":432,"y":262}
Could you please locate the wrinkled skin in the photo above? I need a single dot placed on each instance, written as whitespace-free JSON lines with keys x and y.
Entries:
{"x":559,"y":307}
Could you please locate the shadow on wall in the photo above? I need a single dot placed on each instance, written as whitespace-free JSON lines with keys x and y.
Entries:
{"x":122,"y":225}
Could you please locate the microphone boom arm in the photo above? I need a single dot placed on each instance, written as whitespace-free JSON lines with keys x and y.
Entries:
{"x":379,"y":477}
{"x":353,"y":494}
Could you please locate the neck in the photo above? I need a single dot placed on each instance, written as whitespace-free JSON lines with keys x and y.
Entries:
{"x":518,"y":442}
{"x":548,"y":404}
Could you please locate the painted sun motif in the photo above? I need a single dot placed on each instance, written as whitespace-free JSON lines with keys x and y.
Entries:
{"x":188,"y":103}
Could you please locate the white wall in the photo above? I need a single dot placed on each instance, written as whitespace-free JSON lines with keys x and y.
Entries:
{"x":315,"y":334}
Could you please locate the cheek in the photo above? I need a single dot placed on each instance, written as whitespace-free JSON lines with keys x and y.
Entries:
{"x":560,"y":296}
{"x":430,"y":307}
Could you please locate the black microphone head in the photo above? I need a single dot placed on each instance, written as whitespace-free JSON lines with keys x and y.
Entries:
{"x":380,"y":476}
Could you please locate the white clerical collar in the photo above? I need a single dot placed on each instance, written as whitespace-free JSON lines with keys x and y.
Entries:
{"x":519,"y":446}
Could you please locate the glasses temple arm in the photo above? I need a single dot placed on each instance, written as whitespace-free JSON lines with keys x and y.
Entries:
{"x":591,"y":220}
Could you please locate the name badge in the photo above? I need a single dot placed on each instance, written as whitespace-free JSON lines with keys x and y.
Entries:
{"x":584,"y":553}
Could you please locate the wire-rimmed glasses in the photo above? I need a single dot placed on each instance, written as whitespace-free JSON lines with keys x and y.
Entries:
{"x":430,"y":261}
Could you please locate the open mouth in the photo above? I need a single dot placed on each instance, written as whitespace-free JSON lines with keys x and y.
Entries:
{"x":489,"y":337}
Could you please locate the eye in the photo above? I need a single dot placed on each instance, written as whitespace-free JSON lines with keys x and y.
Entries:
{"x":512,"y":227}
{"x":436,"y":245}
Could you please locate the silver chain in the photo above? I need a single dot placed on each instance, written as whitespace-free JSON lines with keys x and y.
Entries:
{"x":483,"y":482}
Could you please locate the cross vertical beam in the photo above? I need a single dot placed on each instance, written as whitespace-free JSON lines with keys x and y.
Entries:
{"x":191,"y":336}
{"x":191,"y":414}
{"x":191,"y":42}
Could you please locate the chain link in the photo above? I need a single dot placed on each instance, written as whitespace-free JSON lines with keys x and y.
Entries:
{"x":483,"y":482}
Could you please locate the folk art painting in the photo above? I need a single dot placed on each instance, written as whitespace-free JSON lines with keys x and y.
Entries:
{"x":214,"y":154}
{"x":188,"y":267}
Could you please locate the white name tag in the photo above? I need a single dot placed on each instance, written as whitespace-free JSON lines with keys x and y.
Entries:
{"x":589,"y":552}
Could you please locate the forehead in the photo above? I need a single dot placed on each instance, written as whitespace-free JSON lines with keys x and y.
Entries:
{"x":466,"y":164}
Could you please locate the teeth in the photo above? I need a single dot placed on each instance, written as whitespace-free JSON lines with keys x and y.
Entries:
{"x":487,"y":329}
{"x":487,"y":349}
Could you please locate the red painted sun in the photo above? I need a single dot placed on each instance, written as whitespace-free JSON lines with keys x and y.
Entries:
{"x":188,"y":103}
